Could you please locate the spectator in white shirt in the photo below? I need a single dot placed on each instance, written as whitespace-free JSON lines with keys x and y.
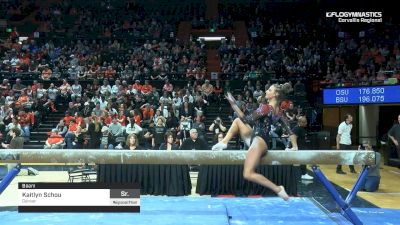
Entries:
{"x":258,"y":92}
{"x":76,"y":90}
{"x":343,"y":140}
{"x":105,"y":87}
{"x":133,"y":128}
{"x":115,"y":88}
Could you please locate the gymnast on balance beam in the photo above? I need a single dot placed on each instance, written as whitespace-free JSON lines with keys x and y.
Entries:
{"x":257,"y":138}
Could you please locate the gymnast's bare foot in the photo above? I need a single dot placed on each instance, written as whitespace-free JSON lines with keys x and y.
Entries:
{"x":219,"y":146}
{"x":282,"y":193}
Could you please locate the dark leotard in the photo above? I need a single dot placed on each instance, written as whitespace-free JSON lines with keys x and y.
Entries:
{"x":261,"y":120}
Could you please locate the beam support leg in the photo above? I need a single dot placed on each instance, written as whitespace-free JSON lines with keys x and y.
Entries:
{"x":360,"y":180}
{"x":9,"y":177}
{"x":344,"y":206}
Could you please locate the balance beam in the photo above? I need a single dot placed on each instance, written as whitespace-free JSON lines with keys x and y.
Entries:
{"x":304,"y":157}
{"x":310,"y":157}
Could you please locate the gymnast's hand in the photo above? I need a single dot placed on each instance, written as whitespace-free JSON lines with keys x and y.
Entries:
{"x":230,"y":98}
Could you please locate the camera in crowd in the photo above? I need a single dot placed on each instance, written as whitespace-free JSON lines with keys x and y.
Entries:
{"x":365,"y":146}
{"x":185,"y":125}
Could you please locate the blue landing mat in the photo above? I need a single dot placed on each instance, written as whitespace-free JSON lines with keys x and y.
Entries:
{"x":190,"y":210}
{"x":371,"y":216}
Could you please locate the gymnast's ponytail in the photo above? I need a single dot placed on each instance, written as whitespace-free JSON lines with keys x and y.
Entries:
{"x":283,"y":90}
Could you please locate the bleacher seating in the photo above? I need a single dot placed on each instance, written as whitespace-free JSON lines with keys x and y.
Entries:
{"x":132,"y":41}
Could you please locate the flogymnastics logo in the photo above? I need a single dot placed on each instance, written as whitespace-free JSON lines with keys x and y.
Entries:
{"x":356,"y":17}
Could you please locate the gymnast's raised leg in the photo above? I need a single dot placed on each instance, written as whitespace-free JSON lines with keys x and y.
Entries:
{"x":237,"y":127}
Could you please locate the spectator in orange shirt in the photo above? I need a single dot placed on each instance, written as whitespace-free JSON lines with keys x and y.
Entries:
{"x":67,"y":118}
{"x":121,"y":118}
{"x":110,"y":72}
{"x":73,"y":126}
{"x":148,"y":113}
{"x":54,"y":141}
{"x":24,"y":59}
{"x":135,"y":116}
{"x":91,"y":74}
{"x":137,"y":87}
{"x":79,"y":119}
{"x":107,"y":118}
{"x":22,"y":100}
{"x":147,"y":89}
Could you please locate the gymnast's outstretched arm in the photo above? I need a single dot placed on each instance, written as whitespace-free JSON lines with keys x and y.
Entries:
{"x":235,"y":108}
{"x":261,"y":111}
